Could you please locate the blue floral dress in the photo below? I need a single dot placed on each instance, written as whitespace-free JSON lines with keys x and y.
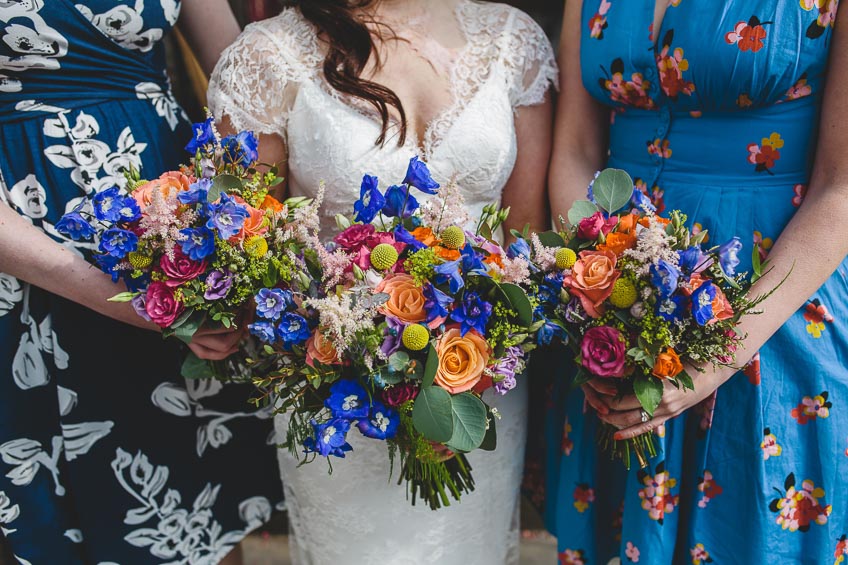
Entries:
{"x":716,"y":114}
{"x":106,"y":455}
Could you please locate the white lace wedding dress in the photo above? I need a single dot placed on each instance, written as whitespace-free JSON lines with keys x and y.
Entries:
{"x":270,"y":81}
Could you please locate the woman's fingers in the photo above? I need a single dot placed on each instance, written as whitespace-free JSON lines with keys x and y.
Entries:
{"x":603,"y":387}
{"x":209,"y":354}
{"x":640,"y":429}
{"x":594,"y":400}
{"x":623,"y":420}
{"x":624,"y":404}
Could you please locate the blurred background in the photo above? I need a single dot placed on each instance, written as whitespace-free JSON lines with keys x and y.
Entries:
{"x":269,"y":546}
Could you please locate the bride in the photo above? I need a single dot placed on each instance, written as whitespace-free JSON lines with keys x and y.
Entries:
{"x":341,"y":88}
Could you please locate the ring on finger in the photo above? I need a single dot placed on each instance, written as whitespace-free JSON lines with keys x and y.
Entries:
{"x":644,"y":416}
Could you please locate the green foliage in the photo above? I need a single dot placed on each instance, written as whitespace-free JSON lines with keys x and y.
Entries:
{"x":649,"y":391}
{"x":613,"y":189}
{"x":432,"y":414}
{"x":421,"y":265}
{"x":469,"y":422}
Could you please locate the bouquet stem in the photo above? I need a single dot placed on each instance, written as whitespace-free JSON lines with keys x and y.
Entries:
{"x":644,"y":447}
{"x":436,"y":482}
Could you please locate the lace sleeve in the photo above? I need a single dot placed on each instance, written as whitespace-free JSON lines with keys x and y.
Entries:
{"x":530,"y":59}
{"x":257,"y":78}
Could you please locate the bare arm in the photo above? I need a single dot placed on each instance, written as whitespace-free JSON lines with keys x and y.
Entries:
{"x":582,"y":124}
{"x":526,"y":193}
{"x":209,"y":26}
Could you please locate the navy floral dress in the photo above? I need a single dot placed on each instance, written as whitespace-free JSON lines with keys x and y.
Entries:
{"x":716,"y":114}
{"x":106,"y":455}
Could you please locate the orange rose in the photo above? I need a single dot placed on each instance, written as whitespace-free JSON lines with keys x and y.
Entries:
{"x":461,"y":360}
{"x":447,"y":254}
{"x":591,"y":280}
{"x":494,"y":259}
{"x":406,"y":299}
{"x":647,"y":223}
{"x":169,"y":185}
{"x":424,"y":235}
{"x":271,"y":203}
{"x":618,"y":242}
{"x":627,"y":224}
{"x":668,"y":365}
{"x":320,"y":349}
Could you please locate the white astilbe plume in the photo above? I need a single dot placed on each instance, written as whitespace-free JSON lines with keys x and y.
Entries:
{"x":306,"y":220}
{"x":162,"y":224}
{"x":446,"y":209}
{"x":342,"y":317}
{"x":652,"y":244}
{"x":514,"y":271}
{"x":544,"y":257}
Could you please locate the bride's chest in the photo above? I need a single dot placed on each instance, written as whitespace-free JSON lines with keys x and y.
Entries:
{"x":329,"y":141}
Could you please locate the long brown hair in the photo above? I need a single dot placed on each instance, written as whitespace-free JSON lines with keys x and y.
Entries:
{"x":351,"y":45}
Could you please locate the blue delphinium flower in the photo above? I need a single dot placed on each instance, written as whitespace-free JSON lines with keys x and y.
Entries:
{"x":381,"y":423}
{"x":241,"y":149}
{"x":399,"y":203}
{"x":590,"y":191}
{"x":548,"y":332}
{"x":196,"y":193}
{"x":272,"y":302}
{"x":472,"y":262}
{"x":729,"y":256}
{"x":550,"y":289}
{"x":293,"y":330}
{"x":265,"y":331}
{"x":702,"y":303}
{"x":518,"y":248}
{"x":665,"y":277}
{"x":227,"y":216}
{"x":112,"y":206}
{"x":436,"y":302}
{"x":670,"y":308}
{"x":402,"y":235}
{"x":418,"y":175}
{"x":370,"y":202}
{"x":449,"y":272}
{"x":693,"y":259}
{"x":204,"y":134}
{"x":473,"y":313}
{"x":641,"y":201}
{"x":348,"y":400}
{"x":200,"y":243}
{"x":118,"y":243}
{"x":330,"y":438}
{"x":75,"y":226}
{"x":107,"y":264}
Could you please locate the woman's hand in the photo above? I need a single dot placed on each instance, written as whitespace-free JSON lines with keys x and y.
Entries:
{"x":216,"y":344}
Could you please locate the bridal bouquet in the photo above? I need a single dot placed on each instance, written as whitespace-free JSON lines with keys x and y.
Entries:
{"x":195,"y":245}
{"x":644,"y":298}
{"x":414,"y":319}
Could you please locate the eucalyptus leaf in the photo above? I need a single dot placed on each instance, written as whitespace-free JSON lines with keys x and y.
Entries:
{"x":195,"y":368}
{"x":649,"y":391}
{"x":551,"y":239}
{"x":520,"y":303}
{"x":430,"y":368}
{"x":490,"y":442}
{"x":579,"y":210}
{"x":613,"y":189}
{"x":185,"y":332}
{"x":398,"y":361}
{"x":469,"y":422}
{"x":223,"y":184}
{"x":432,"y":414}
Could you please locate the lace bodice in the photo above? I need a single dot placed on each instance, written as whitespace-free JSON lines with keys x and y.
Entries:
{"x":270,"y":81}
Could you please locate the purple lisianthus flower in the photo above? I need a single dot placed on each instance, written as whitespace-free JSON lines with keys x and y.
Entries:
{"x":702,"y":303}
{"x":204,"y":134}
{"x":436,"y":303}
{"x":449,"y":273}
{"x":348,"y":400}
{"x":506,"y":368}
{"x":370,"y":202}
{"x":199,"y":243}
{"x":729,"y":256}
{"x":402,"y":235}
{"x":292,"y":330}
{"x":227,"y":217}
{"x":392,"y":336}
{"x":330,"y":438}
{"x":218,"y":284}
{"x":265,"y":331}
{"x":693,"y":260}
{"x":473,"y":313}
{"x":381,"y":423}
{"x":574,"y":313}
{"x":196,"y":193}
{"x":139,"y":302}
{"x":399,"y":202}
{"x":272,"y":302}
{"x":207,"y":168}
{"x":418,"y":175}
{"x":118,"y":243}
{"x":241,"y":149}
{"x":76,"y":227}
{"x":665,"y":277}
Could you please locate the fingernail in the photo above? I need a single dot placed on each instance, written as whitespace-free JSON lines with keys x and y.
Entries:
{"x":617,"y":436}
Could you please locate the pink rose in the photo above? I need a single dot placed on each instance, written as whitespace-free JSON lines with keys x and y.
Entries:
{"x":594,"y":225}
{"x":354,"y":237}
{"x":181,"y":268}
{"x":604,"y":352}
{"x":161,"y":304}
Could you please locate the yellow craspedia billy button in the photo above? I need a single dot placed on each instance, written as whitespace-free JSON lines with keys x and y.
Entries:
{"x":624,"y":293}
{"x":415,"y":337}
{"x":139,"y":260}
{"x":565,"y":258}
{"x":256,"y":246}
{"x":383,"y":257}
{"x":453,"y":237}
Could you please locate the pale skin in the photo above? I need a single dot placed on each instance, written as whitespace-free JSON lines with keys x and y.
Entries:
{"x":411,"y":77}
{"x":580,"y":146}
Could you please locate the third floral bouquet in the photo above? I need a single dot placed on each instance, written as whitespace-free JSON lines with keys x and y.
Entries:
{"x":413,"y":320}
{"x":645,"y":301}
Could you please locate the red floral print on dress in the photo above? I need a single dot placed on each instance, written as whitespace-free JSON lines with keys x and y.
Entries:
{"x":825,"y":19}
{"x":709,"y":487}
{"x":584,"y":496}
{"x":631,"y":552}
{"x":700,"y":555}
{"x":800,"y":191}
{"x":812,"y":408}
{"x":769,"y":445}
{"x":598,"y":23}
{"x":672,"y":65}
{"x":800,"y":89}
{"x":705,"y":410}
{"x":633,"y":92}
{"x":748,"y":36}
{"x":744,"y":100}
{"x":765,"y":155}
{"x":798,"y":509}
{"x":659,"y":147}
{"x":656,"y":194}
{"x":841,"y":550}
{"x":567,"y":445}
{"x":763,"y":245}
{"x":656,"y":495}
{"x":572,"y":557}
{"x":752,"y":370}
{"x":816,"y":315}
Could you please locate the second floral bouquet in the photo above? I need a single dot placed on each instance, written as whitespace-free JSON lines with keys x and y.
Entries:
{"x":410,"y":320}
